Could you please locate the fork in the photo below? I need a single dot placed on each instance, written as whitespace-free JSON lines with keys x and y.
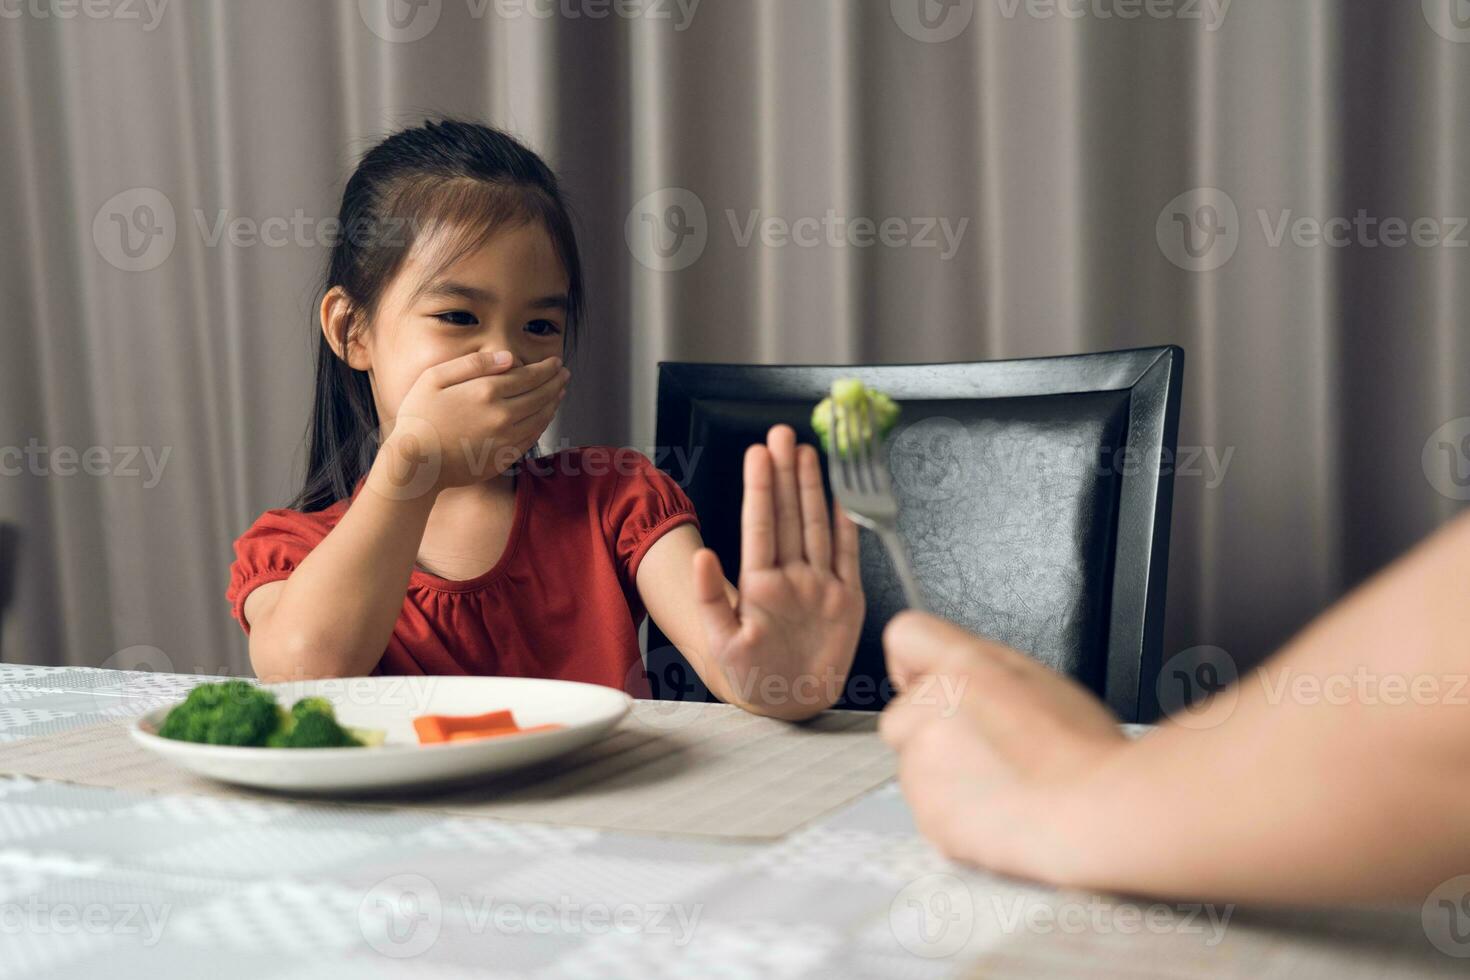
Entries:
{"x":864,"y":488}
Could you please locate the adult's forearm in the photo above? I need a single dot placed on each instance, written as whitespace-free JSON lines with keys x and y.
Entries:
{"x":1342,"y":772}
{"x":337,"y":611}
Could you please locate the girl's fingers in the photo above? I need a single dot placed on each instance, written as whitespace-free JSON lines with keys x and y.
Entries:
{"x":757,"y":512}
{"x":816,"y":537}
{"x":537,"y":400}
{"x":469,"y":367}
{"x":529,"y":379}
{"x":781,"y":441}
{"x":709,"y":589}
{"x":526,"y":431}
{"x":845,"y":548}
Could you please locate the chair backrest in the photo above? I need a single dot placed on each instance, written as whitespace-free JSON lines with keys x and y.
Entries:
{"x":1035,"y":496}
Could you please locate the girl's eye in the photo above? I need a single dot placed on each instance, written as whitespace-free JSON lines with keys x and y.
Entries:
{"x":460,"y":318}
{"x":543,"y":328}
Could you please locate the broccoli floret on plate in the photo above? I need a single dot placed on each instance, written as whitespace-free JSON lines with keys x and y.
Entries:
{"x":312,"y":724}
{"x":855,"y":404}
{"x":237,"y":713}
{"x":224,"y":713}
{"x":318,"y":730}
{"x":313,"y":704}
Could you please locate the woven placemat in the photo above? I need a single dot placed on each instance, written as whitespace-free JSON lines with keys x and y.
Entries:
{"x":708,"y":770}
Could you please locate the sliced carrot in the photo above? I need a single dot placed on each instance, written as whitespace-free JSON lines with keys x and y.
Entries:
{"x":453,"y":728}
{"x":438,"y":728}
{"x":498,"y":732}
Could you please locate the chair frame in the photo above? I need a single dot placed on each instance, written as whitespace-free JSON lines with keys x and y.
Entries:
{"x":1153,"y":377}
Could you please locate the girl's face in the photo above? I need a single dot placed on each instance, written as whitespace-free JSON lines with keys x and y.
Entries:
{"x":511,"y":295}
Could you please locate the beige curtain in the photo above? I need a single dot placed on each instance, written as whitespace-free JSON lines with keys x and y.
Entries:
{"x":1277,"y":185}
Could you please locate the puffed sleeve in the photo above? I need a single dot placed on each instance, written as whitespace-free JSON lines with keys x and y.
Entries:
{"x":268,"y":552}
{"x":646,"y":504}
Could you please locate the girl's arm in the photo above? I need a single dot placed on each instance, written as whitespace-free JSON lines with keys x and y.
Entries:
{"x":783,"y":642}
{"x":334,"y":615}
{"x":1338,"y":771}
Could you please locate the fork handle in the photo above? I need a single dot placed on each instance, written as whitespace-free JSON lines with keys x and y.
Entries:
{"x":899,"y":553}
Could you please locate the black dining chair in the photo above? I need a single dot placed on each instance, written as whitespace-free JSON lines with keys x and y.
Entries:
{"x":1034,"y":494}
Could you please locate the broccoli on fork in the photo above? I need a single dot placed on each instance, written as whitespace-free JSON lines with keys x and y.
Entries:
{"x":852,"y":404}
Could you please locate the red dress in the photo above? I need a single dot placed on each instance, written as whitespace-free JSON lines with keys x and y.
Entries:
{"x":560,"y":602}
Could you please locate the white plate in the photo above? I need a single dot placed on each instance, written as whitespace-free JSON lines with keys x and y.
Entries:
{"x":588,"y":711}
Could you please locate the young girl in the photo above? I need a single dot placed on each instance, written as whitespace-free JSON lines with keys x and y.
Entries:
{"x":428,"y":539}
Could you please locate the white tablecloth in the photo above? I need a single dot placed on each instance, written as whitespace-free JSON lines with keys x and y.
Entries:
{"x":98,"y":883}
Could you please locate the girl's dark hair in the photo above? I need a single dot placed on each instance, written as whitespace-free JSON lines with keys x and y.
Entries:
{"x":451,"y":185}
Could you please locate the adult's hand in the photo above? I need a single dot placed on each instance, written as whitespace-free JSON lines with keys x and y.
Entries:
{"x":991,"y":745}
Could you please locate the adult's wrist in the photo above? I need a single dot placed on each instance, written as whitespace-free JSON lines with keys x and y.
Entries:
{"x":1079,"y":829}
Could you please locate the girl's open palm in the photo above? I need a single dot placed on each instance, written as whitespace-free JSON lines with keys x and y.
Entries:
{"x":788,"y":641}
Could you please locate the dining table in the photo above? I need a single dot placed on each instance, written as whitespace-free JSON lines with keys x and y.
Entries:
{"x":102,"y":882}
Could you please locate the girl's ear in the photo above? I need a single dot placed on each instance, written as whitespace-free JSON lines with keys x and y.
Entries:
{"x":340,"y":327}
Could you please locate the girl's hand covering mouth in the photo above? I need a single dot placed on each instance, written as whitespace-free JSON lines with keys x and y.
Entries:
{"x":785,"y":645}
{"x":470,"y":419}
